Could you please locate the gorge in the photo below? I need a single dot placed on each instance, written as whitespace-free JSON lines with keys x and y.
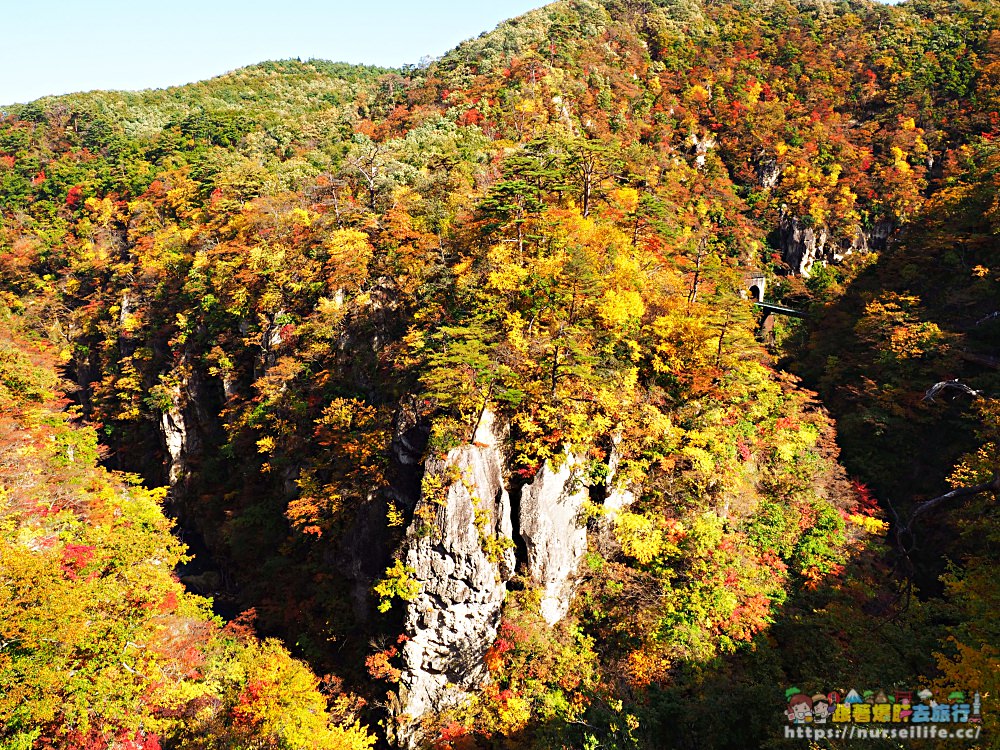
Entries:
{"x":452,"y":379}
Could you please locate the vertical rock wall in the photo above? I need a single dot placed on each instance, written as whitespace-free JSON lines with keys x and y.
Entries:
{"x":553,"y":534}
{"x":461,"y":547}
{"x":802,"y":245}
{"x":180,"y":424}
{"x":619,"y":495}
{"x":454,"y":619}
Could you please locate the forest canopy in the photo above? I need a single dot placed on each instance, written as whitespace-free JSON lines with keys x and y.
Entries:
{"x":261,"y":336}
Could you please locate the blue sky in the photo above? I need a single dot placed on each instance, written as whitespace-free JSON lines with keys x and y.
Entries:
{"x":59,"y":46}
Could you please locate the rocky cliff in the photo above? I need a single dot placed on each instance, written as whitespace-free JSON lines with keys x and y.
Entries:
{"x":457,"y":551}
{"x":554,"y":538}
{"x":803,"y":245}
{"x":461,"y":545}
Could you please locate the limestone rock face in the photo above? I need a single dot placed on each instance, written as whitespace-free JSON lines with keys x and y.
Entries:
{"x":270,"y":345}
{"x":768,"y":172}
{"x":878,"y":237}
{"x":411,"y":431}
{"x":175,"y":436}
{"x":553,"y":534}
{"x":461,"y":548}
{"x":181,"y":424}
{"x":619,"y":495}
{"x":701,"y":147}
{"x":802,"y":246}
{"x":455,"y":617}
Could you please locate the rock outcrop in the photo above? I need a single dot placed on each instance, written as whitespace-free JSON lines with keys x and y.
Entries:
{"x":176,"y":438}
{"x":701,"y":147}
{"x":619,"y":494}
{"x":180,"y":424}
{"x":803,"y":245}
{"x":461,"y":546}
{"x":462,"y":565}
{"x":768,"y":171}
{"x":553,"y":534}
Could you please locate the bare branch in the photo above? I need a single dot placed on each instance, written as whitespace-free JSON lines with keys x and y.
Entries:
{"x":991,"y":486}
{"x":928,"y":505}
{"x":938,"y":388}
{"x":991,"y":316}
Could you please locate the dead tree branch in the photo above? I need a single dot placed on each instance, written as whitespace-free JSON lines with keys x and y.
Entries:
{"x":938,"y":388}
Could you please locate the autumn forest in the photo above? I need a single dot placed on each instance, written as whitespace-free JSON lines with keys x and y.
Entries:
{"x":588,"y":387}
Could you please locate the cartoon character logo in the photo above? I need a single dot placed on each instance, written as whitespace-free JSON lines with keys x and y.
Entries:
{"x":821,"y":710}
{"x":799,"y":709}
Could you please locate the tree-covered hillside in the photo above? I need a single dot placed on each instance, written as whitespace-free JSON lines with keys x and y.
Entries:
{"x":324,"y":308}
{"x":102,"y":647}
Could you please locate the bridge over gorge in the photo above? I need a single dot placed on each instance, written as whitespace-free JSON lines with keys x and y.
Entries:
{"x":756,"y":283}
{"x":772,"y":309}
